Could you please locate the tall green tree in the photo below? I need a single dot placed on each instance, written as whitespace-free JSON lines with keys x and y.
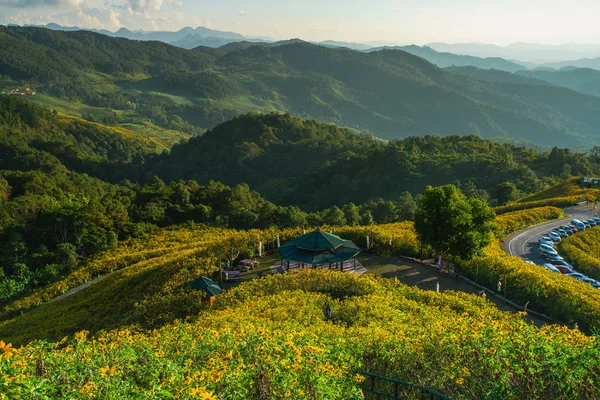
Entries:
{"x":352,"y":214}
{"x":406,"y":207}
{"x":506,"y":192}
{"x":451,"y":224}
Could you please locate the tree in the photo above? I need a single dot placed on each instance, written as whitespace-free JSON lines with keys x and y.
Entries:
{"x":406,"y":206}
{"x":470,"y":190}
{"x":366,"y":218}
{"x":506,"y":192}
{"x":566,"y":171}
{"x":351,"y":213}
{"x":334,"y":216}
{"x":451,"y":224}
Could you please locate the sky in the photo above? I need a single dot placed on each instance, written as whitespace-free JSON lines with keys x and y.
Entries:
{"x":373,"y":21}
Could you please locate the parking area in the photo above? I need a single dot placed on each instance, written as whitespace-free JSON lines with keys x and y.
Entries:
{"x":540,"y":245}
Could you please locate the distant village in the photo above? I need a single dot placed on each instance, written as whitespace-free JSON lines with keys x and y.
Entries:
{"x":19,"y":92}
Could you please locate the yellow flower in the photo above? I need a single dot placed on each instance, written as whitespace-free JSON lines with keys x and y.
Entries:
{"x":87,"y":389}
{"x":6,"y":347}
{"x":203,"y":394}
{"x":108,"y":371}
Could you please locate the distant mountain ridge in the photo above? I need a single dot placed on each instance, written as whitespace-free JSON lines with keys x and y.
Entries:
{"x":443,"y":59}
{"x":525,"y":52}
{"x":162,"y":36}
{"x":391,"y":93}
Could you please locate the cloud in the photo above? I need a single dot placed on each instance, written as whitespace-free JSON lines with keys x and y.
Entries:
{"x":244,"y":13}
{"x":42,"y":3}
{"x":90,"y":18}
{"x":144,"y":5}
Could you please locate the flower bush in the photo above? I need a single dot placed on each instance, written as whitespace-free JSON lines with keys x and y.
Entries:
{"x":583,"y":251}
{"x":270,"y":338}
{"x":515,"y":221}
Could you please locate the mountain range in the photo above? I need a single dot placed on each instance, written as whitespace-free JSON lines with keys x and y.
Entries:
{"x":530,"y":56}
{"x":391,"y":93}
{"x":443,"y":59}
{"x":525,"y":52}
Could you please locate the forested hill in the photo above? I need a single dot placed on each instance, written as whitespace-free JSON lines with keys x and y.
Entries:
{"x":315,"y":165}
{"x":390,"y":92}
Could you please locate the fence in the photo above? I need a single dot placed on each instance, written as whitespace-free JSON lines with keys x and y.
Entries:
{"x":376,"y":387}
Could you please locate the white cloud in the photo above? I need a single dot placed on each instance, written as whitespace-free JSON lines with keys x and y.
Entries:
{"x":144,"y":5}
{"x":42,"y":3}
{"x":244,"y":13}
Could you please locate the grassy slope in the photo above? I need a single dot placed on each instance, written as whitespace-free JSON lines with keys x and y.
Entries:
{"x":563,"y":194}
{"x":163,"y":138}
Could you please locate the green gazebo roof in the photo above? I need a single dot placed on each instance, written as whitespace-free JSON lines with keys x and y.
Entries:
{"x":318,"y":248}
{"x":210,"y":286}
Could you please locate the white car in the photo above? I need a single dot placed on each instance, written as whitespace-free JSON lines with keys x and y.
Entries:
{"x":548,"y":249}
{"x":554,"y":236}
{"x":546,"y":240}
{"x":551,"y":267}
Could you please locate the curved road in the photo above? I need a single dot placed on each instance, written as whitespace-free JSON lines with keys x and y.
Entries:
{"x":524,"y":244}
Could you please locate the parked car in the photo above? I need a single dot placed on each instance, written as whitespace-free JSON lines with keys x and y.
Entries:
{"x":550,"y":267}
{"x":548,"y":248}
{"x":546,"y":240}
{"x":563,"y":270}
{"x":561,"y":233}
{"x":552,"y":258}
{"x":573,"y":228}
{"x":564,"y":264}
{"x":567,"y":229}
{"x":591,"y":222}
{"x":587,"y":225}
{"x":597,"y":220}
{"x":578,"y":224}
{"x":577,"y":275}
{"x":587,"y":279}
{"x":554,"y":236}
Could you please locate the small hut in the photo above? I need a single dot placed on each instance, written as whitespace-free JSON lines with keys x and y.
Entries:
{"x":318,"y":249}
{"x":210,"y":288}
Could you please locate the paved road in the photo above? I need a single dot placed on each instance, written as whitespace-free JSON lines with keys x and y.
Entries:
{"x":524,"y":244}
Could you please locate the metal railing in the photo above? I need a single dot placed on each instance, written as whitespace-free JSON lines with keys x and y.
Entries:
{"x":394,"y":389}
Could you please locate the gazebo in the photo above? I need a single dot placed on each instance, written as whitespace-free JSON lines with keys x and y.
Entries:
{"x":317,"y":249}
{"x":209,"y":286}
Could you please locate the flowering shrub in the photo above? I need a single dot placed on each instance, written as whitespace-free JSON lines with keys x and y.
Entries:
{"x":583,"y":250}
{"x":270,"y":338}
{"x":515,"y":221}
{"x":564,"y":194}
{"x":559,"y":296}
{"x":568,"y":188}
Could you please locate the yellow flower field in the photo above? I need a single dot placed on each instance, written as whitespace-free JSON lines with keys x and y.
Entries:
{"x":269,"y":338}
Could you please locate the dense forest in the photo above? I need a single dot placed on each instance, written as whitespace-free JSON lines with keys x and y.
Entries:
{"x":391,"y":93}
{"x":314,"y":165}
{"x":70,"y":188}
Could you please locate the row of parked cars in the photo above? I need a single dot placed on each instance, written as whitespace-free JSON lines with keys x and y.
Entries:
{"x":554,"y":262}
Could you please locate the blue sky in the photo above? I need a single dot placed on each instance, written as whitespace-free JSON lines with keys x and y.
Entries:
{"x":402,"y":22}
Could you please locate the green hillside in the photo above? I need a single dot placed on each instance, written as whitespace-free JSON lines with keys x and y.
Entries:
{"x":314,"y":165}
{"x":390,"y":92}
{"x":584,"y":80}
{"x":444,"y":59}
